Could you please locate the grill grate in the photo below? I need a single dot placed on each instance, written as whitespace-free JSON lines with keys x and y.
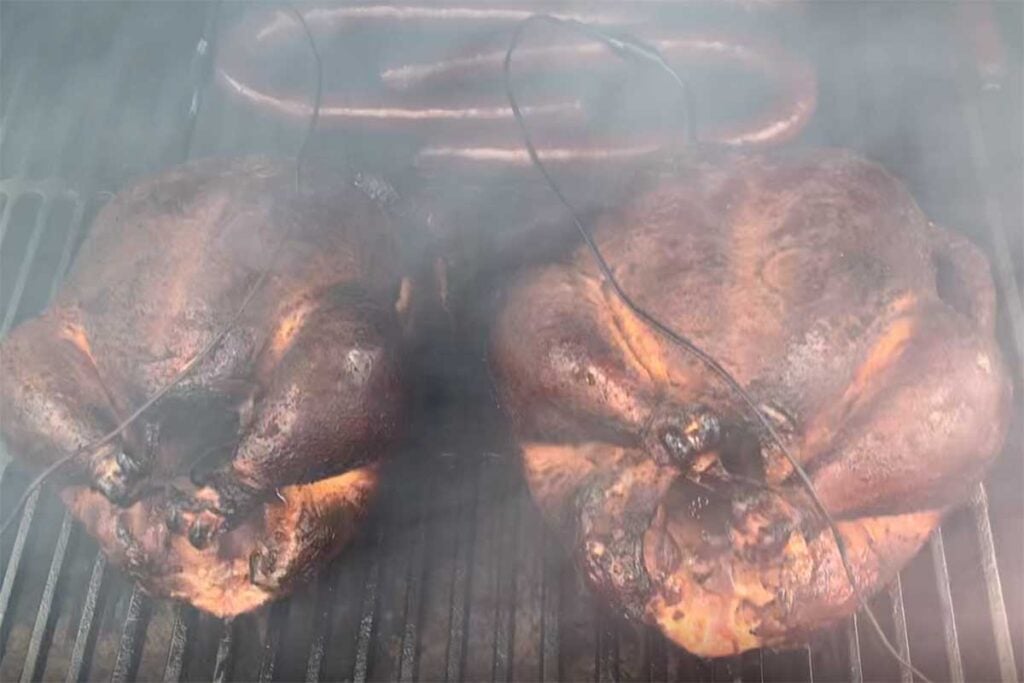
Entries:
{"x":455,"y":578}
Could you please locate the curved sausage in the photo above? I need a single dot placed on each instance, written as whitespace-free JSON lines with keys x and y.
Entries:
{"x":435,"y":75}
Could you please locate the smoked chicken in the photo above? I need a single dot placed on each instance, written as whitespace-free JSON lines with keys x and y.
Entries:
{"x":862,"y":331}
{"x":258,"y":466}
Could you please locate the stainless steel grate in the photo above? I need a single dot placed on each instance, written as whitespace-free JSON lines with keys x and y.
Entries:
{"x":455,"y":577}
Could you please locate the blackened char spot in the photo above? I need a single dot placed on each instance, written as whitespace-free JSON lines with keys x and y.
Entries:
{"x":609,"y":543}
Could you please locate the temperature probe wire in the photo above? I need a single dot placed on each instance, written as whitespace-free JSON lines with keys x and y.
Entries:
{"x":628,"y":47}
{"x":232,"y":321}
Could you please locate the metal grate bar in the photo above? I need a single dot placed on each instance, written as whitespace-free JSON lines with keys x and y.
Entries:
{"x":134,"y":630}
{"x":996,"y":226}
{"x":551,"y":592}
{"x":178,"y":644}
{"x":199,"y":75}
{"x":61,"y":34}
{"x":13,"y":101}
{"x":853,"y":642}
{"x":504,"y":612}
{"x":28,"y":512}
{"x":78,"y":658}
{"x":326,"y":599}
{"x":36,"y":652}
{"x":35,"y":649}
{"x":42,"y":216}
{"x":87,"y":625}
{"x":460,"y":587}
{"x":810,"y":664}
{"x":368,"y":614}
{"x":5,"y":217}
{"x":19,"y":166}
{"x":655,"y":656}
{"x":734,"y":668}
{"x":1010,"y":291}
{"x":7,"y":589}
{"x":225,"y":653}
{"x":132,"y":634}
{"x":275,"y":625}
{"x":673,"y":662}
{"x":414,"y":595}
{"x":607,"y":659}
{"x":528,"y":603}
{"x":77,"y":218}
{"x":993,"y":586}
{"x":86,"y":635}
{"x":956,"y":667}
{"x":899,"y":618}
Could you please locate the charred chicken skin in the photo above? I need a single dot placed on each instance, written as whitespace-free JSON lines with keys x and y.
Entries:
{"x":863,"y":332}
{"x":258,"y":466}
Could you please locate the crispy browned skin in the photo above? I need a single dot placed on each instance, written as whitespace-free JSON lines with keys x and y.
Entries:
{"x":281,"y":544}
{"x":305,"y":386}
{"x":864,"y":332}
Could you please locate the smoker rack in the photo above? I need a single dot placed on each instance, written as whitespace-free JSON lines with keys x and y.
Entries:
{"x":455,"y":577}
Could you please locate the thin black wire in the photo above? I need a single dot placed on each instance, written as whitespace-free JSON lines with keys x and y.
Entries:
{"x":630,"y":48}
{"x":232,"y":321}
{"x":317,"y":97}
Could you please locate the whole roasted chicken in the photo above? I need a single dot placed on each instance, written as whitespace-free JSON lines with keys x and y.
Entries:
{"x":862,"y":331}
{"x":257,"y":467}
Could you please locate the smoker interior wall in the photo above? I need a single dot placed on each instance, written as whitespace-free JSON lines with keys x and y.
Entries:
{"x":455,"y":578}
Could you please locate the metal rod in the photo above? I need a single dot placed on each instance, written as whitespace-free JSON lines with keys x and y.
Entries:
{"x":367,"y":619}
{"x":125,"y":663}
{"x":18,"y":166}
{"x":996,"y":225}
{"x":956,"y":667}
{"x":133,"y":634}
{"x":11,"y":103}
{"x":853,"y":642}
{"x":326,"y":599}
{"x":225,"y":653}
{"x":17,"y":550}
{"x":178,"y":643}
{"x":1010,"y":290}
{"x":9,"y":316}
{"x":607,"y":645}
{"x":34,"y":657}
{"x":993,"y":586}
{"x":5,"y":217}
{"x":551,"y":600}
{"x":899,"y":618}
{"x":50,"y":141}
{"x":414,"y":592}
{"x":85,"y":637}
{"x":41,"y":218}
{"x":734,"y":668}
{"x":199,"y":76}
{"x":465,"y":541}
{"x":654,"y":656}
{"x":673,"y":662}
{"x":504,"y":610}
{"x":271,"y":643}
